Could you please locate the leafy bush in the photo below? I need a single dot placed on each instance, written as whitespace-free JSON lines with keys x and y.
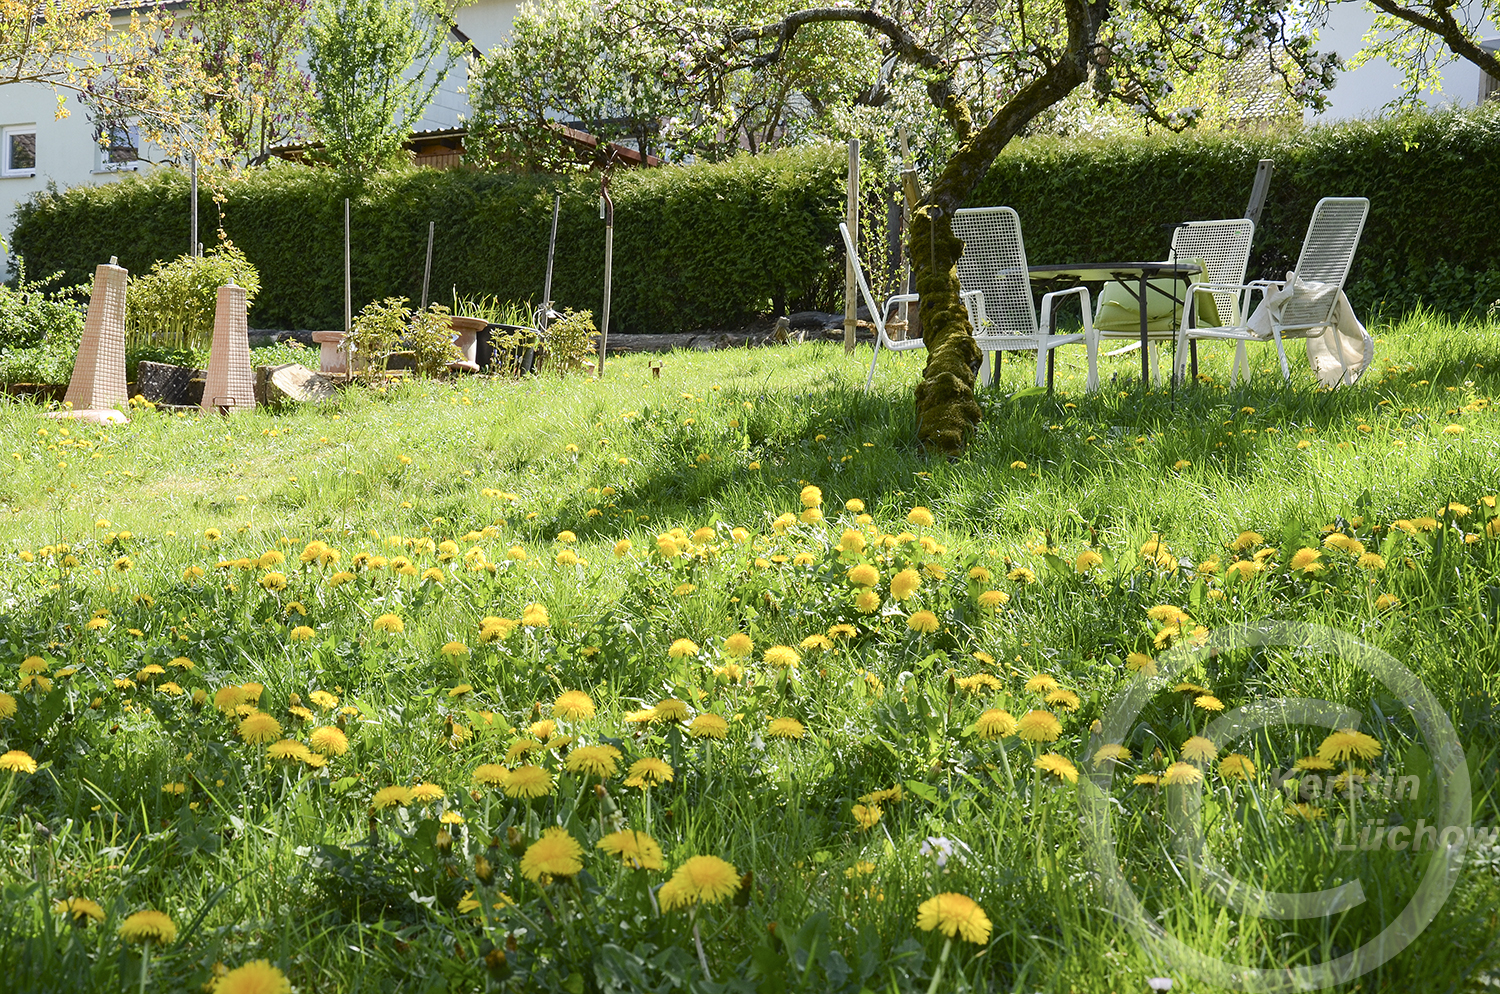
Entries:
{"x":571,"y":342}
{"x":39,"y":330}
{"x":173,"y":306}
{"x":695,"y":246}
{"x":385,"y":326}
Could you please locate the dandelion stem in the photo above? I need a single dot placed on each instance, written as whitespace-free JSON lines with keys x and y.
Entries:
{"x":698,"y":941}
{"x":942,"y":960}
{"x":145,"y":964}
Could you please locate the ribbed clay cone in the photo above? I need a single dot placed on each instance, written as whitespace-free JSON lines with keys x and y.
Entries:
{"x":231,"y":385}
{"x":98,"y":380}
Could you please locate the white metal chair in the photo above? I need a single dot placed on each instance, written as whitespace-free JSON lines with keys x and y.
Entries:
{"x":996,"y":289}
{"x":1327,"y":254}
{"x":878,"y":317}
{"x":1223,"y":249}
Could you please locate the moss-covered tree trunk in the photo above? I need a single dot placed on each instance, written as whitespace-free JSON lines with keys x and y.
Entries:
{"x":946,"y":409}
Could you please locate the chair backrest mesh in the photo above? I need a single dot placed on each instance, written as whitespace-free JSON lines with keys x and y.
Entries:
{"x":1327,"y":254}
{"x":1224,"y":247}
{"x":994,"y":262}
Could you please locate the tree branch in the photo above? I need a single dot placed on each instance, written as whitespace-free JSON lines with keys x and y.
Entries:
{"x":1445,"y":27}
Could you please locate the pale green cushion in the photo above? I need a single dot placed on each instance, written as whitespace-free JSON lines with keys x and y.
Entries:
{"x":1120,"y":310}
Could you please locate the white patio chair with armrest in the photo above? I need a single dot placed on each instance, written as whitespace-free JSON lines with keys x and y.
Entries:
{"x":1222,"y":249}
{"x":878,"y":316}
{"x":996,"y":290}
{"x":1311,"y":295}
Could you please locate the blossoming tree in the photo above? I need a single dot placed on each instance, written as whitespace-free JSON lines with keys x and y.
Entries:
{"x":989,"y":69}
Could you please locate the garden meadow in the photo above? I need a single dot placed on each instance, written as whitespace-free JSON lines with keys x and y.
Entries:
{"x":716,"y":682}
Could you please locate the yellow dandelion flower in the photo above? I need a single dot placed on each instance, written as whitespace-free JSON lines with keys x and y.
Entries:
{"x":699,"y":880}
{"x":1208,"y":702}
{"x":391,"y":797}
{"x":573,"y":705}
{"x":427,"y":793}
{"x":1179,"y":774}
{"x":782,"y":657}
{"x":955,"y":916}
{"x":17,"y":761}
{"x":867,"y":602}
{"x":601,"y":761}
{"x":863,"y":575}
{"x":491,"y":775}
{"x":1039,"y":726}
{"x":920,"y":517}
{"x":995,"y":724}
{"x":535,"y":616}
{"x":1139,"y":662}
{"x":682,"y":648}
{"x":1198,"y":749}
{"x":923,"y":621}
{"x":528,"y":781}
{"x":389,"y":623}
{"x":648,"y":772}
{"x":255,"y":977}
{"x":1041,"y":684}
{"x":149,"y":926}
{"x":636,"y":850}
{"x":555,"y":854}
{"x":80,"y":909}
{"x":1346,"y":744}
{"x":1113,"y":753}
{"x":905,"y":583}
{"x":328,"y":741}
{"x":1236,"y":766}
{"x":1065,"y":699}
{"x":259,"y":727}
{"x":1087,"y":559}
{"x":1058,"y":766}
{"x":992,"y":600}
{"x":866,"y":816}
{"x":786,"y":728}
{"x":708,"y":726}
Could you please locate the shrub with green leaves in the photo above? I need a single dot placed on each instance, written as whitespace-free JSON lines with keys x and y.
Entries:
{"x":39,"y":330}
{"x":385,"y":326}
{"x":173,"y":305}
{"x":571,"y":341}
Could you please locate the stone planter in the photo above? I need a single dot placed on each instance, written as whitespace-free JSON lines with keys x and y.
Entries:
{"x":332,"y":360}
{"x":466,"y":332}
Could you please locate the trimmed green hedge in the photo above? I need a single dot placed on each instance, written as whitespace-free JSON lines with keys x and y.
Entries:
{"x":715,"y":245}
{"x":1433,"y":180}
{"x":697,"y":246}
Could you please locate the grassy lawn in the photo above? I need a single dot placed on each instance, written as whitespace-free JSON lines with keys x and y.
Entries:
{"x":247,"y":632}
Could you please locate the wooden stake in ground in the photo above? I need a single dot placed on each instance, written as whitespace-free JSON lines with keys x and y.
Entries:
{"x":851,"y":307}
{"x":231,"y":385}
{"x":911,"y":324}
{"x":98,"y":380}
{"x":348,"y":288}
{"x":607,"y":206}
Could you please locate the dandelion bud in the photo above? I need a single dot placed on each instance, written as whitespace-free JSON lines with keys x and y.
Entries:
{"x":295,"y":700}
{"x":516,"y":839}
{"x":482,"y":869}
{"x":496,"y":962}
{"x":444,"y":841}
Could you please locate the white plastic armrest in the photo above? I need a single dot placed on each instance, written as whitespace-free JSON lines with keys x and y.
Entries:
{"x":900,"y":298}
{"x":1047,"y":300}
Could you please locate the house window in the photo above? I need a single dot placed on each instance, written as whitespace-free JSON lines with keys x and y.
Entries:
{"x":119,"y":144}
{"x":18,"y":151}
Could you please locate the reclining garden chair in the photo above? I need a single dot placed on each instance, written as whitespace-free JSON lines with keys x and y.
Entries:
{"x":878,"y":317}
{"x":996,"y":289}
{"x":1222,"y":250}
{"x":1307,"y":303}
